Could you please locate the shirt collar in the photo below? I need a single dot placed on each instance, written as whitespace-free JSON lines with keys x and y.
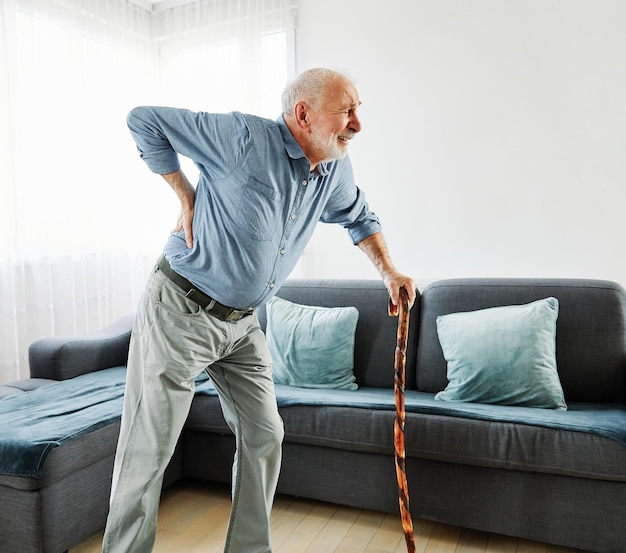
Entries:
{"x":293,"y":148}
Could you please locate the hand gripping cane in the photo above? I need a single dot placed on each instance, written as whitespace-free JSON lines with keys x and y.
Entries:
{"x":402,"y":312}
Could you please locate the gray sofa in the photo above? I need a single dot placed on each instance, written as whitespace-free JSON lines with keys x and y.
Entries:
{"x":553,"y":476}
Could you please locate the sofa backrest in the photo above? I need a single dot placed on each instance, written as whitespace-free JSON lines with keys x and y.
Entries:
{"x":376,"y":331}
{"x":590,"y":337}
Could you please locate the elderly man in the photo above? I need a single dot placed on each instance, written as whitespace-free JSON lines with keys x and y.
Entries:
{"x":263,"y":187}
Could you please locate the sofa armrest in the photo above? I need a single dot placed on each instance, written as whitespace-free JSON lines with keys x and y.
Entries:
{"x":63,"y":358}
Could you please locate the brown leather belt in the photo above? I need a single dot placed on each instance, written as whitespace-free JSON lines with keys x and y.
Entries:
{"x":207,"y":303}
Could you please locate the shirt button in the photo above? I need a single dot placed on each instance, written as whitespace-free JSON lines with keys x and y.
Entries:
{"x":304,"y":182}
{"x":293,"y":216}
{"x":271,"y":285}
{"x":282,"y":251}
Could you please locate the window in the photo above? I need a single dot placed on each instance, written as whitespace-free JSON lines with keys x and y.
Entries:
{"x":81,"y":217}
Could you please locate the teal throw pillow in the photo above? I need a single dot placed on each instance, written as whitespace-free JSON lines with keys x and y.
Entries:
{"x":312,"y":347}
{"x":504,"y":355}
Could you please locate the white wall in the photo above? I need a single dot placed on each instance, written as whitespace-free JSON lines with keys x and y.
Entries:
{"x":494,"y":140}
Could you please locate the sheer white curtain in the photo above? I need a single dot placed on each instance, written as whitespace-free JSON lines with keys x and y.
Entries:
{"x":81,"y":218}
{"x":224,"y":55}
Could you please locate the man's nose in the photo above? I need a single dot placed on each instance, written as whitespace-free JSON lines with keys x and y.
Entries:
{"x":355,"y":123}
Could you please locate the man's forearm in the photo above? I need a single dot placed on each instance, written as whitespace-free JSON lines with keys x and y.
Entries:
{"x":375,"y":247}
{"x":182,"y":187}
{"x":187,"y":195}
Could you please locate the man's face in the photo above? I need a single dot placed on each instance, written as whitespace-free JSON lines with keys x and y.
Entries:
{"x":336,"y":122}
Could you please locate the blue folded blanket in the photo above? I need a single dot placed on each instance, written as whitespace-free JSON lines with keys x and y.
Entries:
{"x":33,"y":423}
{"x":608,"y":420}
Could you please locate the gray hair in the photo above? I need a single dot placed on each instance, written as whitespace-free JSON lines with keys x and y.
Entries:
{"x":310,"y":86}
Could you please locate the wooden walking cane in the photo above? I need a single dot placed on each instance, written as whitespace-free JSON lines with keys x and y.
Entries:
{"x":402,"y":312}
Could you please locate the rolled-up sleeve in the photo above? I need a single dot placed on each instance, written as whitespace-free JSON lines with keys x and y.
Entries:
{"x":366,"y":224}
{"x":152,"y":143}
{"x":161,"y":133}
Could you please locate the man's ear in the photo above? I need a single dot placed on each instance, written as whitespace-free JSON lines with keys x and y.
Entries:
{"x":301,"y":111}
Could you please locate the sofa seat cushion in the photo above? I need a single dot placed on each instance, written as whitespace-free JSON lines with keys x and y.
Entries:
{"x":515,"y":446}
{"x":70,"y":457}
{"x":503,"y":445}
{"x":605,"y":419}
{"x":587,"y":441}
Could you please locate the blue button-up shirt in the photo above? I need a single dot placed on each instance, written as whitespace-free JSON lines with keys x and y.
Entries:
{"x":257,"y":203}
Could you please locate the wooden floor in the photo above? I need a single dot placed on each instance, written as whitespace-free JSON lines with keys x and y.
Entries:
{"x":193,"y":517}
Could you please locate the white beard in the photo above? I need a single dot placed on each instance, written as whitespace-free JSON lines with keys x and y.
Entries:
{"x":328,"y":147}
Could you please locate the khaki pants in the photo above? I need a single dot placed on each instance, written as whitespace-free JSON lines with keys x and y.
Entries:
{"x":173,"y":341}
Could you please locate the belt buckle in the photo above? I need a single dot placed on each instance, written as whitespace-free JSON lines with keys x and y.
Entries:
{"x":235,"y":315}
